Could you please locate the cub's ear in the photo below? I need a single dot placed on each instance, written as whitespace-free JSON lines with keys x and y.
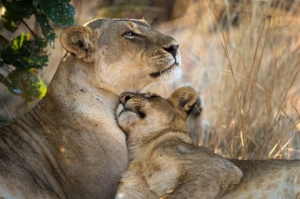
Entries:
{"x":184,"y":99}
{"x":80,"y":41}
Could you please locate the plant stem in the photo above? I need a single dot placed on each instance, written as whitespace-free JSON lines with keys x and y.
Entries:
{"x":29,"y":28}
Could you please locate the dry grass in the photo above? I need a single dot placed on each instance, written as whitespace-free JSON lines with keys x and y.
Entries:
{"x":244,"y":58}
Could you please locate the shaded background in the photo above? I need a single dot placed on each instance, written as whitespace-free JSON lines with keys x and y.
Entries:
{"x":243,"y":57}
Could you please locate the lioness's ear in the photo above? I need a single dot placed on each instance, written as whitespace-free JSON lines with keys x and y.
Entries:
{"x":184,"y":99}
{"x":79,"y":40}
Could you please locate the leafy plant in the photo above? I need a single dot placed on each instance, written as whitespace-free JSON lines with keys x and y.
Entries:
{"x":25,"y":54}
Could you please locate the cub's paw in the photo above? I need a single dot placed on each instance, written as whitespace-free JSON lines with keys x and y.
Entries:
{"x":194,"y":123}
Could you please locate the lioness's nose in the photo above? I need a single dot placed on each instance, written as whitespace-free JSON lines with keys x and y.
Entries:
{"x":173,"y":48}
{"x":124,"y":98}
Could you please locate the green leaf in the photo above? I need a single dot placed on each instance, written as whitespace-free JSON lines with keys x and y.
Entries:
{"x":15,"y":11}
{"x":27,"y":84}
{"x":23,"y":8}
{"x":46,"y":28}
{"x":10,"y":21}
{"x":25,"y":52}
{"x":59,"y":11}
{"x":17,"y":43}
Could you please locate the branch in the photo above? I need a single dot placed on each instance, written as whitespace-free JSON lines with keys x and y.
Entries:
{"x":29,"y":28}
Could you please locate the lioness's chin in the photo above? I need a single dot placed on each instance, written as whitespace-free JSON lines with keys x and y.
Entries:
{"x":169,"y":70}
{"x":176,"y":74}
{"x":170,"y":75}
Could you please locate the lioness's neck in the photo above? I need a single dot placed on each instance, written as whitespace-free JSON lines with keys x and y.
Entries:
{"x":77,"y":82}
{"x":73,"y":94}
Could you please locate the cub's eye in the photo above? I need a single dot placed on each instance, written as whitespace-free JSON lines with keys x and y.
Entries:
{"x":130,"y":34}
{"x":154,"y":95}
{"x":150,"y":95}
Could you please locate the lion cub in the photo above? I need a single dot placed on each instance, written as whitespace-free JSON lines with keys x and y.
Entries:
{"x":163,"y":160}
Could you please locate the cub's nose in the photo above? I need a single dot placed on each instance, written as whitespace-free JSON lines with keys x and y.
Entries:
{"x":172,"y":49}
{"x":125,"y":97}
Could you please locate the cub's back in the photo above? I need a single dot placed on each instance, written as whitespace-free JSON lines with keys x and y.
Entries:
{"x":191,"y":167}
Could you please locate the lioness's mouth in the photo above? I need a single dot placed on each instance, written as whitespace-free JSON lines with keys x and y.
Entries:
{"x":159,"y":73}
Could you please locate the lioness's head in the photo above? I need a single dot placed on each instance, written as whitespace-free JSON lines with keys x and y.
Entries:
{"x":142,"y":114}
{"x":123,"y":54}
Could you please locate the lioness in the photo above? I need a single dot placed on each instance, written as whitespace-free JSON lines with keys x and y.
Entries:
{"x":163,"y":160}
{"x":69,"y":145}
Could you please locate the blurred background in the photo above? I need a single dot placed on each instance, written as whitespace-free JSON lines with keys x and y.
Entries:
{"x":242,"y":56}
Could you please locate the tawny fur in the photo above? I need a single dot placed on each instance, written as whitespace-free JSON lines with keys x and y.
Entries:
{"x":163,"y":160}
{"x":69,"y":145}
{"x":267,"y":179}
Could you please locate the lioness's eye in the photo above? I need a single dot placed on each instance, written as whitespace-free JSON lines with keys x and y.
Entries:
{"x":130,"y":34}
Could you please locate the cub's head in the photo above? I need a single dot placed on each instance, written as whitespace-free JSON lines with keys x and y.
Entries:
{"x":122,"y":54}
{"x":142,"y":114}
